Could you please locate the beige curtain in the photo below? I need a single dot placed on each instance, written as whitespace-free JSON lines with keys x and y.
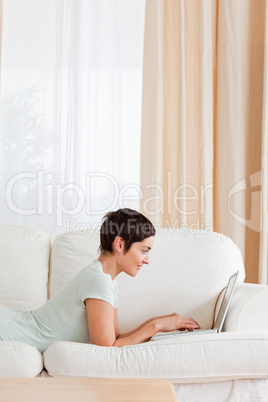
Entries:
{"x":204,"y":121}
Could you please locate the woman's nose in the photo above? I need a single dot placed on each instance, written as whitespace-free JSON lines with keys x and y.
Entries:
{"x":146,"y":260}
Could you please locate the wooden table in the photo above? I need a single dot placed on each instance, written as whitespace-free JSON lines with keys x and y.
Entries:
{"x":81,"y":389}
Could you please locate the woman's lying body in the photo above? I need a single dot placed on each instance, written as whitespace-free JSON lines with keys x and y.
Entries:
{"x":85,"y":309}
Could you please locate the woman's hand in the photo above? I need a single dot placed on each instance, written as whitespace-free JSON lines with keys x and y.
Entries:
{"x":174,"y":322}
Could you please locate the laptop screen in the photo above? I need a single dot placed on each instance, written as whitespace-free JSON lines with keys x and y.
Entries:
{"x":225,"y":302}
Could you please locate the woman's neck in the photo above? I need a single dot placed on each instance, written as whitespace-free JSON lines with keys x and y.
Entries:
{"x":109,"y":264}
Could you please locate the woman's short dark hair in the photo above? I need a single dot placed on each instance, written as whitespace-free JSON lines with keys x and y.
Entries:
{"x":131,"y":225}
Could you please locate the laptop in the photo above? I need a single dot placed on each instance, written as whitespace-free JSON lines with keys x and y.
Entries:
{"x":218,"y":324}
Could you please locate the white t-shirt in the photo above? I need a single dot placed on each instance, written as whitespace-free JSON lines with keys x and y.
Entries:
{"x":63,"y":317}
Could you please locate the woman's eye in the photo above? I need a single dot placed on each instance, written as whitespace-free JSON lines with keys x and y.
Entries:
{"x":145,"y":251}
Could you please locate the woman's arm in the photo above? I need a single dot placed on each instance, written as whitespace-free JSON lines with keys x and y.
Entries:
{"x":103,"y":329}
{"x":120,"y":336}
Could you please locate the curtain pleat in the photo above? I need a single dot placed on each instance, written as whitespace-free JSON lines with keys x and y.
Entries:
{"x":177,"y":122}
{"x":263,"y":251}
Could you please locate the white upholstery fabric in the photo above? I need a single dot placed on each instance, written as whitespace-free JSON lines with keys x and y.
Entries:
{"x":245,"y":310}
{"x":17,"y":359}
{"x":70,"y":253}
{"x":183,"y":264}
{"x":195,"y":358}
{"x":24,"y":266}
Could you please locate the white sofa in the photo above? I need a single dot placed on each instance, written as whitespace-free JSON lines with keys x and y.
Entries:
{"x":187,"y":272}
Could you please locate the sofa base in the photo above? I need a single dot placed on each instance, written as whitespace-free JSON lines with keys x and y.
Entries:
{"x":247,"y":390}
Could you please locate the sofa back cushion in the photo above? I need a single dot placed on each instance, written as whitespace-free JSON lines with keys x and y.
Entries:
{"x":70,"y":253}
{"x":24,"y":266}
{"x":187,"y":272}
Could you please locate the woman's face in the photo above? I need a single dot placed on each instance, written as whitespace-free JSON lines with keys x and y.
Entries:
{"x":137,"y":255}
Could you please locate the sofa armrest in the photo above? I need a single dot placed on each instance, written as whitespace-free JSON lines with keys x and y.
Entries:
{"x":248,"y":308}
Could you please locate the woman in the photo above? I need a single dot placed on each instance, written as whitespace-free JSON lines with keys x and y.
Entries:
{"x":85,"y":309}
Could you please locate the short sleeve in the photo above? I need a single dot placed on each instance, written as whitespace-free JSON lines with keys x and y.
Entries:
{"x":97,"y":286}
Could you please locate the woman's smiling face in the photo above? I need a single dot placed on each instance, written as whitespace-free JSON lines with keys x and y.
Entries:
{"x":136,"y":256}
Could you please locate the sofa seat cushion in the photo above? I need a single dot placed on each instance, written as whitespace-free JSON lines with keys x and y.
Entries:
{"x":185,"y":359}
{"x":18,"y":359}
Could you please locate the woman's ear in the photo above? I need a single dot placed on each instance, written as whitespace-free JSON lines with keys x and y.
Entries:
{"x":119,"y":244}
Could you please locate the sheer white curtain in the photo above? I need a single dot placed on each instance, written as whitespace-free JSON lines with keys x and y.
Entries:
{"x":70,"y":116}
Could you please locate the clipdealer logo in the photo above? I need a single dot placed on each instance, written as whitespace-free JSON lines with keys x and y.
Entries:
{"x":254,"y":222}
{"x":47,"y":197}
{"x":37,"y":193}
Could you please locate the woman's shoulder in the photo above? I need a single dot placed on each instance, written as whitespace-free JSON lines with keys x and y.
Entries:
{"x":95,"y":271}
{"x":94,"y":267}
{"x":94,"y":283}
